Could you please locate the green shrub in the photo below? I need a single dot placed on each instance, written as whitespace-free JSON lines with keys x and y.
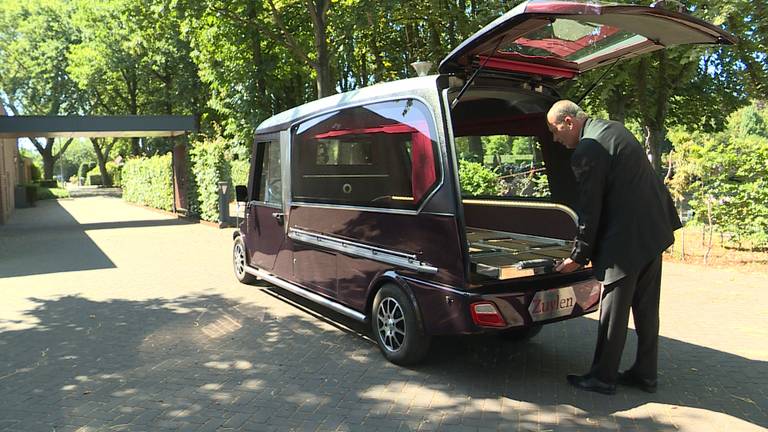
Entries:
{"x":35,"y":173}
{"x":114,"y":172}
{"x":44,"y":193}
{"x":148,"y":181}
{"x":477,"y":180}
{"x":93,"y":179}
{"x":239,"y":171}
{"x":48,"y":183}
{"x":209,"y":165}
{"x":82,"y":171}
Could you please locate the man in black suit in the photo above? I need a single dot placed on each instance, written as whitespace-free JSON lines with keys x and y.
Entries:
{"x":626,"y":221}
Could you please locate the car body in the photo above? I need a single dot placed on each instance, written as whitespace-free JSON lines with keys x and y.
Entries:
{"x":356,"y":201}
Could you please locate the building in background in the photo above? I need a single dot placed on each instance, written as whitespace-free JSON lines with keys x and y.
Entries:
{"x":9,"y":160}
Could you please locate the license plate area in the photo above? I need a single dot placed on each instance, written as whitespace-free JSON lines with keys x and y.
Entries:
{"x":560,"y":302}
{"x":552,"y":303}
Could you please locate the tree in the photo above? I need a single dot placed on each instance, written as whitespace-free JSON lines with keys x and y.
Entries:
{"x":35,"y":37}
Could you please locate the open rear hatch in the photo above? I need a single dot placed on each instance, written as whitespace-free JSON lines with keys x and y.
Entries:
{"x":559,"y":40}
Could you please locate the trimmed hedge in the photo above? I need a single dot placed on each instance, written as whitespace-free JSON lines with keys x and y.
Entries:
{"x":93,"y":177}
{"x":209,"y":165}
{"x":149,"y":182}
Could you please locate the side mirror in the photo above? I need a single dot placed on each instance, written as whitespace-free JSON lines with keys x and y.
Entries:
{"x":241,"y":193}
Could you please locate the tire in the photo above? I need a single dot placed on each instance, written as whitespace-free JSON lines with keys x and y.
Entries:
{"x":397,"y":327}
{"x":239,"y":262}
{"x":520,"y":334}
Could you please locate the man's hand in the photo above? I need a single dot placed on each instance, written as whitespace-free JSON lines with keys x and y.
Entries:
{"x":567,"y":265}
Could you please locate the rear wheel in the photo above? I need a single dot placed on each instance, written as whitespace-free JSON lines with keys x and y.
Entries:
{"x":238,"y":262}
{"x":520,"y":334}
{"x":397,"y":327}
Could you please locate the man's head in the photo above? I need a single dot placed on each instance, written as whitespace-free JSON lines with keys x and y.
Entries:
{"x":565,"y":120}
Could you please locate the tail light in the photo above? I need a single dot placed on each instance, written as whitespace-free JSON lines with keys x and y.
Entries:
{"x":485,"y":314}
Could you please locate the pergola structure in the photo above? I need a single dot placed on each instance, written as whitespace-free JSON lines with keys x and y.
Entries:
{"x":14,"y":127}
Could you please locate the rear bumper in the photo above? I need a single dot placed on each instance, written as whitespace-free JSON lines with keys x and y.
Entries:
{"x":446,"y":310}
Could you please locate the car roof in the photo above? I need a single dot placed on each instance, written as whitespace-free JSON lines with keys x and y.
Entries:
{"x":404,"y":87}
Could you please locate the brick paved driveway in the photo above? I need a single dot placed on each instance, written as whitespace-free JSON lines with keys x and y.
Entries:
{"x":113,"y":317}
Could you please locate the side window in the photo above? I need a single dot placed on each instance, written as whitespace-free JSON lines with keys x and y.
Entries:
{"x":270,"y":184}
{"x":380,"y":155}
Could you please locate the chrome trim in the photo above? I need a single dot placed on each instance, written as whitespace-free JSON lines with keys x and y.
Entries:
{"x":356,"y":208}
{"x":345,"y":175}
{"x":525,"y":204}
{"x":400,"y":259}
{"x":309,"y":295}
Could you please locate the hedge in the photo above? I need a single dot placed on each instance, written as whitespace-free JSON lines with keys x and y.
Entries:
{"x":209,"y":165}
{"x":93,"y":177}
{"x":239,"y":170}
{"x":149,"y":182}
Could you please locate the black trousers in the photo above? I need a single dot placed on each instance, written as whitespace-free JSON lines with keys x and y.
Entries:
{"x":640,"y":292}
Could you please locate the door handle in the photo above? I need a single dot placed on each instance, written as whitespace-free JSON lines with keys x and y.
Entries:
{"x":279,"y":216}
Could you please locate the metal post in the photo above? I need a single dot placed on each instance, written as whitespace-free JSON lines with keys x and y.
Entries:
{"x":223,"y":204}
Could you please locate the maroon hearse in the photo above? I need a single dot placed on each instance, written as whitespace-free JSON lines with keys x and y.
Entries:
{"x":356,"y":202}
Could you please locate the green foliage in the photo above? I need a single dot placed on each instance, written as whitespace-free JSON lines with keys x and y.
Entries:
{"x":35,"y":172}
{"x":44,"y":193}
{"x":210,"y":166}
{"x":477,"y":180}
{"x":148,"y":181}
{"x":239,"y":171}
{"x":84,"y":168}
{"x":726,"y":176}
{"x":114,"y":171}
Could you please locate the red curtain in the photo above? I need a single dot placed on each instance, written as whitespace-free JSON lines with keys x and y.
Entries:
{"x":422,"y":165}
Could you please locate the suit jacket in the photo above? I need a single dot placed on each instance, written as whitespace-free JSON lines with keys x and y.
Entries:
{"x":626,"y":215}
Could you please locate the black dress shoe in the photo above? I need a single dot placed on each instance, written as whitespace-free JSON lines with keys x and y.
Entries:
{"x":628,"y":378}
{"x":590,"y":383}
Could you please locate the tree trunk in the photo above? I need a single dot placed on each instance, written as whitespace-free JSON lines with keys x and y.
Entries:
{"x":49,"y":160}
{"x":654,"y":140}
{"x":476,"y":148}
{"x":101,"y":159}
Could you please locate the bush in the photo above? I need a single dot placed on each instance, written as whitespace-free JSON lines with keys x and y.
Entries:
{"x":82,"y":171}
{"x":148,"y":181}
{"x":114,"y":172}
{"x":35,"y":173}
{"x":239,"y":171}
{"x":93,"y":179}
{"x":477,"y":180}
{"x":209,"y":165}
{"x":48,"y":183}
{"x":44,"y":193}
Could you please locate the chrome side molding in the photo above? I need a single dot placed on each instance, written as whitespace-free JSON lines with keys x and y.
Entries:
{"x":309,"y":295}
{"x":400,"y":259}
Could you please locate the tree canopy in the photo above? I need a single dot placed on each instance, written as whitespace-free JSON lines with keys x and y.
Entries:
{"x":238,"y":62}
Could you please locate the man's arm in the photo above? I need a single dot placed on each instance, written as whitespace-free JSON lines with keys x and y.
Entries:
{"x":590,"y":164}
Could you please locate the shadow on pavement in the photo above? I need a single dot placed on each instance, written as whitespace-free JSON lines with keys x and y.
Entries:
{"x":47,"y":239}
{"x":208,"y":361}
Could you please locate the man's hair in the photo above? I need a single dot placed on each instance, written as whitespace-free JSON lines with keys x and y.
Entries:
{"x":563,"y":108}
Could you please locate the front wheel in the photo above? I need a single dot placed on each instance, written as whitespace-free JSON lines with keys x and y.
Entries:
{"x":238,"y":262}
{"x":397,"y":327}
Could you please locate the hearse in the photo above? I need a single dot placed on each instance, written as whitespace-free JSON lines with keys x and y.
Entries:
{"x":356,"y":201}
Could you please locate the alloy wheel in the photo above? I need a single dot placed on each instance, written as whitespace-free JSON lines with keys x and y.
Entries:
{"x":391,"y":324}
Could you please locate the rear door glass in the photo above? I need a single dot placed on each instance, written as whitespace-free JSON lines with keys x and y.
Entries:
{"x":502,"y":166}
